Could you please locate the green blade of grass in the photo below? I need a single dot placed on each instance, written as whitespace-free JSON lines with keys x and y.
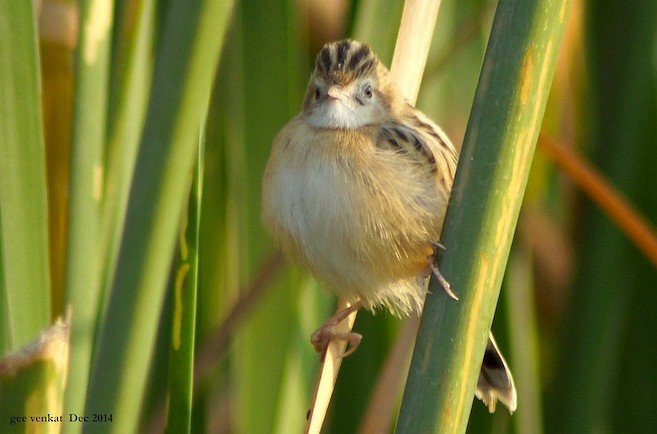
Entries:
{"x":183,"y":330}
{"x":85,"y":194}
{"x":190,"y":46}
{"x":490,"y":181}
{"x":24,"y":263}
{"x":370,"y":18}
{"x":269,"y":350}
{"x":524,"y":353}
{"x":129,"y":87}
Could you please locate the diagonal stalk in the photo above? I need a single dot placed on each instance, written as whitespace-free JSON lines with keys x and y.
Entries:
{"x":411,"y":51}
{"x":488,"y":190}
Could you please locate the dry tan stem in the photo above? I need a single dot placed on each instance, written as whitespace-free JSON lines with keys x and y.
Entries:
{"x":412,"y":47}
{"x":328,"y":373}
{"x":409,"y":59}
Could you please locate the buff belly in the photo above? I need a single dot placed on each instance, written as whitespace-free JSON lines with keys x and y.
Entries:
{"x":317,"y":216}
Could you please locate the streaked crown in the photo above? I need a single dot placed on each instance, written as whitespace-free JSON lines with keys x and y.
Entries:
{"x":345,"y":61}
{"x":349,"y":88}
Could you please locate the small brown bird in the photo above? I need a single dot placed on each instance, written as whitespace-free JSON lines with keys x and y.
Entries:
{"x":356,"y":189}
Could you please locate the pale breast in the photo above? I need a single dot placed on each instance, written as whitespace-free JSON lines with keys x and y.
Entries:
{"x":361,"y":219}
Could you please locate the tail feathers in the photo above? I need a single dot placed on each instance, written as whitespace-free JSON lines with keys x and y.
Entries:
{"x":495,"y":379}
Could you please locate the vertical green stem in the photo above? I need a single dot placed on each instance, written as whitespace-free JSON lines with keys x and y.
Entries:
{"x":489,"y":186}
{"x":24,"y":264}
{"x":183,"y":330}
{"x":188,"y":52}
{"x":85,"y":193}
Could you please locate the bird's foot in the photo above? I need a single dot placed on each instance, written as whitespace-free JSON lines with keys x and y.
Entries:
{"x":436,"y":272}
{"x":326,"y":332}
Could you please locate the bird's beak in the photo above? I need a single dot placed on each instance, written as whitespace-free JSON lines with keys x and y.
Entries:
{"x":336,"y":92}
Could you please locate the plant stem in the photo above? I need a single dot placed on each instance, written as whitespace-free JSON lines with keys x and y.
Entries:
{"x":488,"y":190}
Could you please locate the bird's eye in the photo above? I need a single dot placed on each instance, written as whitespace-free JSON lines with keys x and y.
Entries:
{"x":368,"y":91}
{"x":317,"y":93}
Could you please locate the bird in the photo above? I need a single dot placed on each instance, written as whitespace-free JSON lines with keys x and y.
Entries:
{"x":356,"y":189}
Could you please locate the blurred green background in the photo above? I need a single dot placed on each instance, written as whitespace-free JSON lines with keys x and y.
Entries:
{"x":576,"y":317}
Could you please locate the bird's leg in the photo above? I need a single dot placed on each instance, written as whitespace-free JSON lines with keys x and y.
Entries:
{"x":436,"y":272}
{"x":326,"y":332}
